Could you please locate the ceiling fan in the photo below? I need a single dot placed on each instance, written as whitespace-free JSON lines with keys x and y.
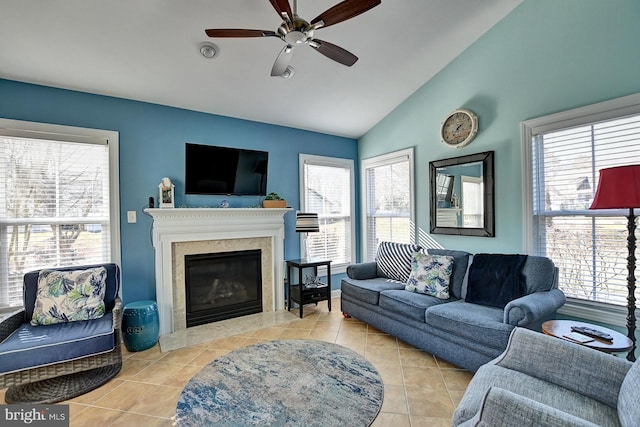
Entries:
{"x":295,"y":31}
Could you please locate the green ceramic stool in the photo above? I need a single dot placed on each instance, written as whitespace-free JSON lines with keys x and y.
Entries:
{"x":140,"y":325}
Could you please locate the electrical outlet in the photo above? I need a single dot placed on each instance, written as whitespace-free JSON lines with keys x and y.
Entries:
{"x":131,"y":217}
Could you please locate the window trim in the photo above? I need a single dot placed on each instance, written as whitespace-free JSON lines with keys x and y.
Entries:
{"x":331,"y":162}
{"x":607,"y":110}
{"x":25,"y":129}
{"x":383,"y":160}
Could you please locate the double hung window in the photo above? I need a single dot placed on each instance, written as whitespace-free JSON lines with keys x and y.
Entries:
{"x":57,"y":195}
{"x":389,"y":204}
{"x":328,"y":190}
{"x":563,"y":154}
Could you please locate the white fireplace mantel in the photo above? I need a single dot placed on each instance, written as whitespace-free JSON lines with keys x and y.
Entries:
{"x":173,"y":225}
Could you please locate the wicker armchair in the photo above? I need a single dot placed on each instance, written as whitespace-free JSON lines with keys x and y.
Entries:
{"x":61,"y":378}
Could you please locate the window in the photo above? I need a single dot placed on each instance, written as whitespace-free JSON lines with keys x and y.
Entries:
{"x":563,"y":154}
{"x":58,"y":200}
{"x":327,"y":186}
{"x":389,"y":204}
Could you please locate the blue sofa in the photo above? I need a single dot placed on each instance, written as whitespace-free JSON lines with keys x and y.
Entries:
{"x":463,"y":333}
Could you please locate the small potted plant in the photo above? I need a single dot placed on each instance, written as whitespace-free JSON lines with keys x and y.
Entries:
{"x":273,"y":200}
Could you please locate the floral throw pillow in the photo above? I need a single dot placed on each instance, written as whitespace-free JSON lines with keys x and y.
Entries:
{"x":69,"y":296}
{"x":430,"y":275}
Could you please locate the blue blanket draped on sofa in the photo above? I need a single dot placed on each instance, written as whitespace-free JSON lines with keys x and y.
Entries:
{"x":496,"y":279}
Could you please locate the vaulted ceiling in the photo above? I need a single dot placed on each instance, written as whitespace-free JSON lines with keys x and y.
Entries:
{"x":149,"y":50}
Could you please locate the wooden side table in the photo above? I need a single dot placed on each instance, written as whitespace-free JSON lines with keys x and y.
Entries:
{"x":559,"y":328}
{"x":304,"y":294}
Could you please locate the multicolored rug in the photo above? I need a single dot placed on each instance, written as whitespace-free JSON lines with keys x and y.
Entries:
{"x":283,"y":383}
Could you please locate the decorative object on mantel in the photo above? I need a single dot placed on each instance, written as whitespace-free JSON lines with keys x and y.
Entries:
{"x":224,"y":204}
{"x":166,"y":192}
{"x":273,"y":200}
{"x":619,"y":188}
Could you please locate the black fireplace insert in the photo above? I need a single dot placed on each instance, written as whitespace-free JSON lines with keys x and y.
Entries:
{"x":222,"y":285}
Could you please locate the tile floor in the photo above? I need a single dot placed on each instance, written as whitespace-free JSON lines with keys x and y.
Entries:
{"x":419,"y":389}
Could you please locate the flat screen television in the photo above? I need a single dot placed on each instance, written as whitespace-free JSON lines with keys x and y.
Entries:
{"x":223,"y":170}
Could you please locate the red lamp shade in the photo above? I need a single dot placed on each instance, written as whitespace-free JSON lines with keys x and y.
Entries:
{"x":618,"y":188}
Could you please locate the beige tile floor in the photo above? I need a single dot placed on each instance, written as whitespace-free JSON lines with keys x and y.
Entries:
{"x":419,"y":389}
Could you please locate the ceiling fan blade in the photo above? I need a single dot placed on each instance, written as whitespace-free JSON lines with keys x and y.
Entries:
{"x":334,"y":52}
{"x":231,"y":32}
{"x":345,"y":10}
{"x":282,"y":6}
{"x":282,"y":61}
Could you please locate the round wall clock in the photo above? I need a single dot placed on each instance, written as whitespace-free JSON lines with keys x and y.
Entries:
{"x":459,"y":128}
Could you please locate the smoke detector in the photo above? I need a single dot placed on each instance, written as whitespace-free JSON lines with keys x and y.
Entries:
{"x":209,"y":50}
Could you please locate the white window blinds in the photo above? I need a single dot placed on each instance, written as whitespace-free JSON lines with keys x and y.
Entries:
{"x":589,"y":247}
{"x":388,"y":182}
{"x":328,"y":191}
{"x":54,"y":207}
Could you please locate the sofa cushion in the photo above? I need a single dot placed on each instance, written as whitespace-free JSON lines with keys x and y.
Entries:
{"x":496,"y":279}
{"x":471,"y":321}
{"x":32,"y":346}
{"x":430,"y":275}
{"x":410,"y":304}
{"x":460,"y":267}
{"x":628,"y":405}
{"x":69,"y":296}
{"x":368,"y":291}
{"x":394,"y":260}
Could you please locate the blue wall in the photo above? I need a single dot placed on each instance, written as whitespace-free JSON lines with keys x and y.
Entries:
{"x":152,"y":139}
{"x":544,"y":57}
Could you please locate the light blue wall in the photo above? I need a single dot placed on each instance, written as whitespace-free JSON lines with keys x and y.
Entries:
{"x":544,"y":57}
{"x":152,"y":139}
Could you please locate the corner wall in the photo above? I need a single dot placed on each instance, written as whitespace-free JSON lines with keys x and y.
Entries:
{"x":545,"y":56}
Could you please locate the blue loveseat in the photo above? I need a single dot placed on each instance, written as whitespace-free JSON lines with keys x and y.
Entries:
{"x":31,"y":353}
{"x":463,"y":333}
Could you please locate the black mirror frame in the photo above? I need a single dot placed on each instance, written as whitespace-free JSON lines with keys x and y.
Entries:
{"x":489,"y":201}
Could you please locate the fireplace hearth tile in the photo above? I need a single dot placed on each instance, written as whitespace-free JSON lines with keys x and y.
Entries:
{"x":225,"y":328}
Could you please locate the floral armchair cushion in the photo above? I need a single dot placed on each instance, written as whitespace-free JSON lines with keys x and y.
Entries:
{"x":68,"y":296}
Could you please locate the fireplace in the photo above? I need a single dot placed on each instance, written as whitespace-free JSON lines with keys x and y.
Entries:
{"x":192,"y":231}
{"x":222,"y":285}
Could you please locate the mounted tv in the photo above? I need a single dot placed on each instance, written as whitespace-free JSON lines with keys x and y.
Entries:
{"x":223,"y":170}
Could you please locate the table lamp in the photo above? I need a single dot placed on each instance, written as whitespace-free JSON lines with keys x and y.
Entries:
{"x":619,"y":188}
{"x":307,"y":223}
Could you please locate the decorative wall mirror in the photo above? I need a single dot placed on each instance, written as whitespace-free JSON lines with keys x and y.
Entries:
{"x":461,"y":195}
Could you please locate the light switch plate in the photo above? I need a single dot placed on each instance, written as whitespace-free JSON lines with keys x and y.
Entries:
{"x":131,"y":217}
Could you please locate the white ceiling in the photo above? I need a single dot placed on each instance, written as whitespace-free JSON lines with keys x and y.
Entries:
{"x":148,"y":50}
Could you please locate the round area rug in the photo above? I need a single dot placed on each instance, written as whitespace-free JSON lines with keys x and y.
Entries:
{"x":283,"y":383}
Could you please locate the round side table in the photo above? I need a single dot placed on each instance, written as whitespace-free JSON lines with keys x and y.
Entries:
{"x":559,"y":328}
{"x":140,"y":325}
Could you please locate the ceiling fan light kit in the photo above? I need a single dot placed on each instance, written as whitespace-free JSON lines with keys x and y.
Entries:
{"x":288,"y":72}
{"x":295,"y":31}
